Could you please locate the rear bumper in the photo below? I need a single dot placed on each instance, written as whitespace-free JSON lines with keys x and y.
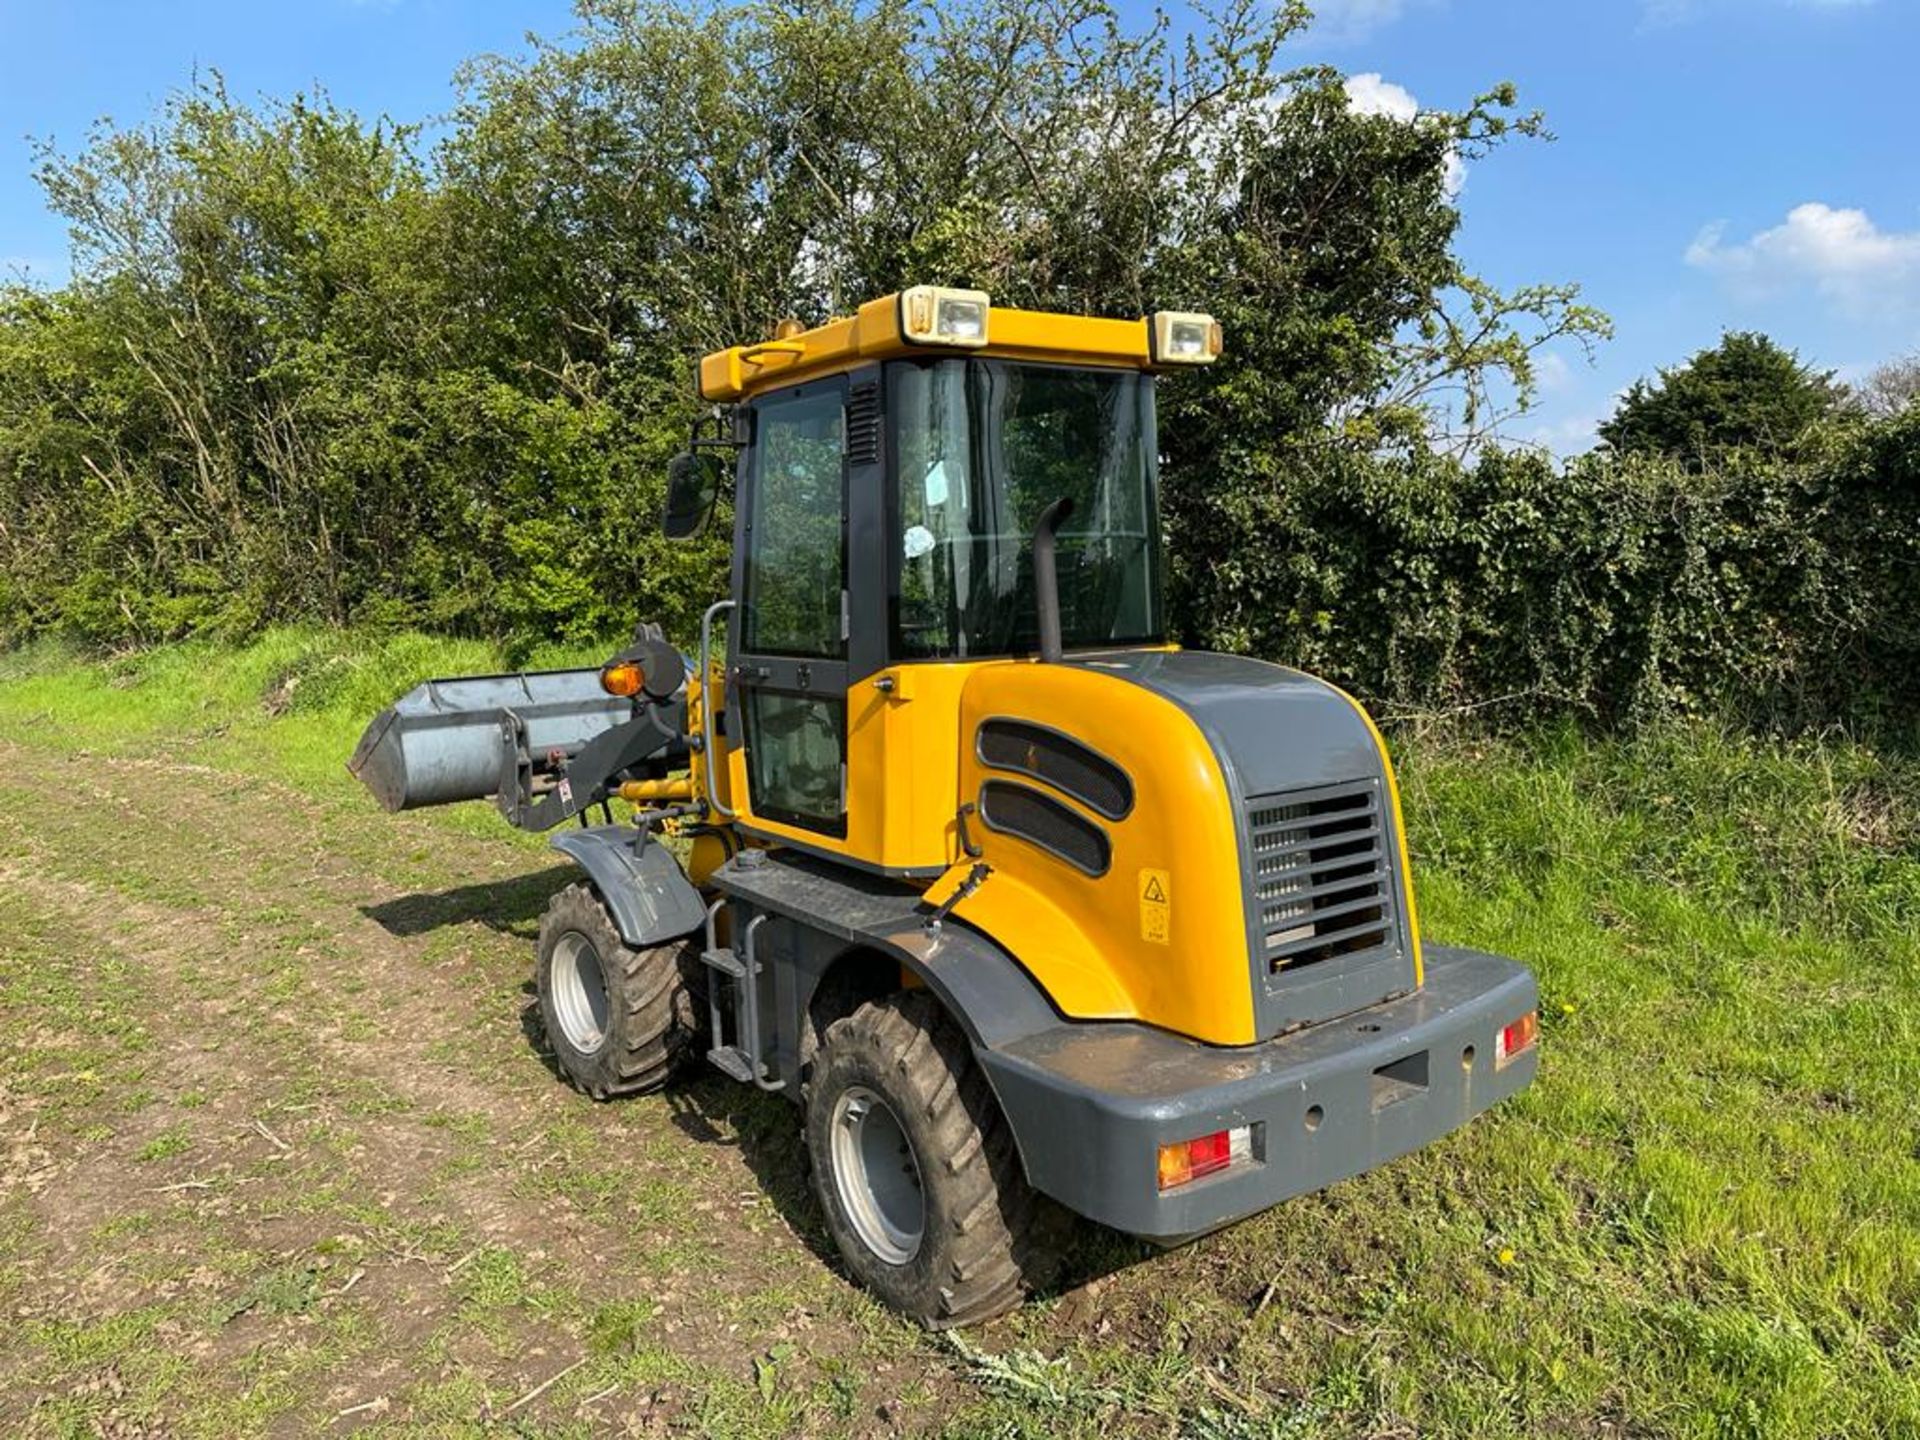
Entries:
{"x":1090,"y":1104}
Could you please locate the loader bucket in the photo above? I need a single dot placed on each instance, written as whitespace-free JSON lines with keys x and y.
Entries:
{"x":451,"y":740}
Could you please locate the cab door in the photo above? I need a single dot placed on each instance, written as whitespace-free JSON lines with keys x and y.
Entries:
{"x":788,"y":674}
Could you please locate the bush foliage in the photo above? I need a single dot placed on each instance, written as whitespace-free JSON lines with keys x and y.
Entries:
{"x":1619,"y":589}
{"x":313,"y":368}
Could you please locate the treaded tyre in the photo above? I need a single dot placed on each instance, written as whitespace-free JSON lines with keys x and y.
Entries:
{"x":619,"y":1019}
{"x":916,"y":1171}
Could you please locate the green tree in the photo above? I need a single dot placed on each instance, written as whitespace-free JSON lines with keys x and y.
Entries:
{"x":309,"y":367}
{"x":1358,"y":346}
{"x":307,"y":370}
{"x":1745,"y":393}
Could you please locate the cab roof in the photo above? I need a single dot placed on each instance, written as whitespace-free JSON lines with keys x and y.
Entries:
{"x":874,"y":332}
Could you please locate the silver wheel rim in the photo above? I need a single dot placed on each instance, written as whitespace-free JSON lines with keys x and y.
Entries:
{"x":877,"y":1176}
{"x":579,"y":993}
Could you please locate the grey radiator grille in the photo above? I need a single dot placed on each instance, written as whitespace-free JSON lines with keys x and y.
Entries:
{"x":1322,"y":884}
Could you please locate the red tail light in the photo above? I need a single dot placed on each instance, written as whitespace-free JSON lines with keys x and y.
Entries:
{"x":1188,"y":1160}
{"x":1517,"y":1038}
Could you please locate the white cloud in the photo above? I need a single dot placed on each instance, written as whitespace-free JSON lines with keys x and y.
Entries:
{"x":1339,"y":20}
{"x":1840,"y":254}
{"x":1572,"y":434}
{"x":1373,"y":94}
{"x":1551,"y":372}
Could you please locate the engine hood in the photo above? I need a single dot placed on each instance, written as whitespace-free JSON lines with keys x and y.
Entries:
{"x":1274,"y":729}
{"x":1309,"y":782}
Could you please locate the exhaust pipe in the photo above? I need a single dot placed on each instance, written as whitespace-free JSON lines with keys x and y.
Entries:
{"x":1046,"y":582}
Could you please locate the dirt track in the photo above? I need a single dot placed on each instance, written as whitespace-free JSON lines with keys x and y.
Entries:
{"x":284,"y":1152}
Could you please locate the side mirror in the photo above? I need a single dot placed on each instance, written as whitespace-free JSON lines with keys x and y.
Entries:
{"x":693,"y":483}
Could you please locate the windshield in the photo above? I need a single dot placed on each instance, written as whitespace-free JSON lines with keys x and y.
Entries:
{"x":981,"y":448}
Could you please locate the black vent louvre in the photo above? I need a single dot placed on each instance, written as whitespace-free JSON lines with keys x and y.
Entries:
{"x":1321,"y":882}
{"x":863,"y":425}
{"x":1059,"y":760}
{"x":1039,"y":818}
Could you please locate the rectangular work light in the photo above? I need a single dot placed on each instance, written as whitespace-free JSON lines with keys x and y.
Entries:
{"x":936,"y":315}
{"x":1179,"y":337}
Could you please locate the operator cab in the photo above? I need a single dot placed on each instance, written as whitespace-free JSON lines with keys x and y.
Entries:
{"x":897,"y":474}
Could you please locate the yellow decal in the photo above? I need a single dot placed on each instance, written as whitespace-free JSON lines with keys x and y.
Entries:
{"x":1156,"y":906}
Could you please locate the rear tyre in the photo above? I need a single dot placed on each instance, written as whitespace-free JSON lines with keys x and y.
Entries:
{"x":619,"y":1019}
{"x":916,"y":1171}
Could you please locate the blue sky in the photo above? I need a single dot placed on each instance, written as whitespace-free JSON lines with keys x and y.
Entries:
{"x":1721,"y":164}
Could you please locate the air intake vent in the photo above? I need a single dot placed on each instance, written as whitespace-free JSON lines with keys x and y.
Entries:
{"x":1060,"y":761}
{"x":863,"y":424}
{"x":1042,"y":820}
{"x":1322,"y":886}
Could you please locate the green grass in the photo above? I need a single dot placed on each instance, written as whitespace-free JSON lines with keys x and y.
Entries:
{"x":164,"y":1146}
{"x":1719,"y":1192}
{"x":1702,"y":1221}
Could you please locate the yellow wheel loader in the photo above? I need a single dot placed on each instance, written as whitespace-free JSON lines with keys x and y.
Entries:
{"x":1031,"y":911}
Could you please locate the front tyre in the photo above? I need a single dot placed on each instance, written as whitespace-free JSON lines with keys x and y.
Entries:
{"x":619,"y":1018}
{"x":916,"y":1171}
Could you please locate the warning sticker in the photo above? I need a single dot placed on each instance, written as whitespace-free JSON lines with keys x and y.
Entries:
{"x":1156,"y":907}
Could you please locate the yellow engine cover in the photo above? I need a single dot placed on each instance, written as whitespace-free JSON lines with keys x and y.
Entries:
{"x":1160,"y":934}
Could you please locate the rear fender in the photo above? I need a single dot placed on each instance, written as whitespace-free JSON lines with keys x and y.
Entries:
{"x":645,"y":890}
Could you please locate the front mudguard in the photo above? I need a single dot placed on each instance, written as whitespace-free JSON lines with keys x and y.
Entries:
{"x":649,"y":896}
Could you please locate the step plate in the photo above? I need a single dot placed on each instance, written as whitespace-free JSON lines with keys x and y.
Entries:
{"x":725,"y":961}
{"x":733,"y":1060}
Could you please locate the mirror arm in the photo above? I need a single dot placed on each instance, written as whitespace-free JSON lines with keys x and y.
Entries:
{"x":726,"y":433}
